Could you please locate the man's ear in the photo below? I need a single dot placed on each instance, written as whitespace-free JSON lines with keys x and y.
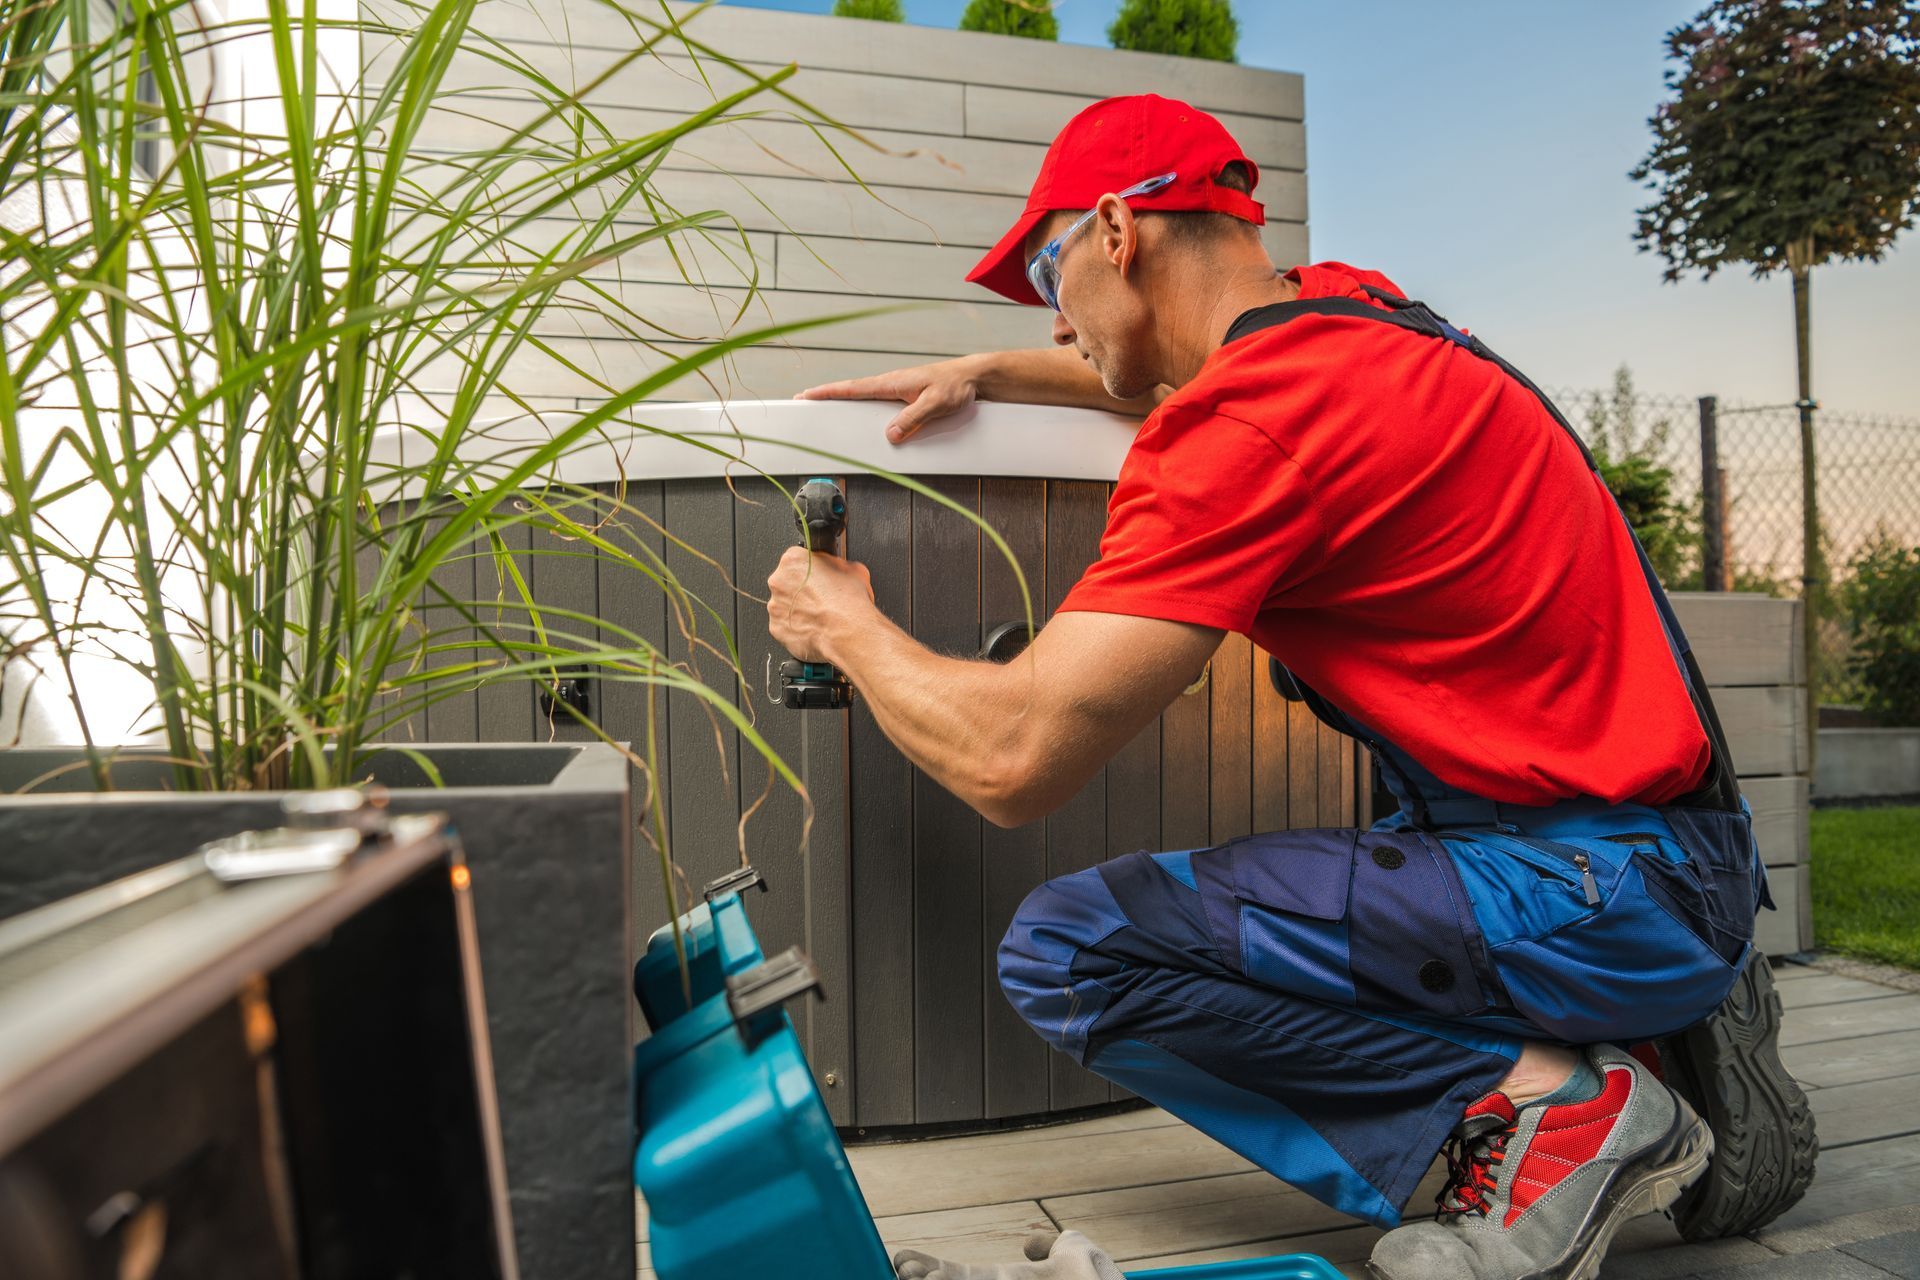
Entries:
{"x":1119,"y":232}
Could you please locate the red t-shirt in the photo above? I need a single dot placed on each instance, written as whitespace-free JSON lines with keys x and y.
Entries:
{"x":1407,"y":529}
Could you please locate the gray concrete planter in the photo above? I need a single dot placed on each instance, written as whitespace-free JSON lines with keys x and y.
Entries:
{"x":548,"y":837}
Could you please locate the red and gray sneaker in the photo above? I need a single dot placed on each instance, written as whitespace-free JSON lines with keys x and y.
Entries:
{"x":1537,"y":1194}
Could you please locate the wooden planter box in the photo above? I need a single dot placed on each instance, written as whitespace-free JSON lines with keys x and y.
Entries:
{"x":1751,"y":650}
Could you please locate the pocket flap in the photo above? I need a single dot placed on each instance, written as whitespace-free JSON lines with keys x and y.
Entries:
{"x":1307,"y":873}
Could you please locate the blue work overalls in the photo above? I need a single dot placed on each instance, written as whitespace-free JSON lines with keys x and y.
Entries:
{"x":1328,"y":1002}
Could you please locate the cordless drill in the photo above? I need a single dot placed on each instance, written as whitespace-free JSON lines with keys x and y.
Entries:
{"x":822,"y":516}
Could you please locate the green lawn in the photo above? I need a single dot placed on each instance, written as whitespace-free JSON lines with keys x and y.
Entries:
{"x":1866,"y":883}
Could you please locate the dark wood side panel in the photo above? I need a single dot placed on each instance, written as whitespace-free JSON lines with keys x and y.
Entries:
{"x":1231,"y":688}
{"x":635,"y":611}
{"x":806,"y":865}
{"x":504,"y":705}
{"x":763,"y":529}
{"x":1270,"y":791}
{"x":454,"y":716}
{"x":366,"y":563}
{"x":880,"y":789}
{"x":704,"y":807}
{"x":948,"y":992}
{"x":1077,"y":831}
{"x":1013,"y":862}
{"x":1336,"y":809}
{"x":1185,"y":747}
{"x":565,"y":580}
{"x":1303,"y":767}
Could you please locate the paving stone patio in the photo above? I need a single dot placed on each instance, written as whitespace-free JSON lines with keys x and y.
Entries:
{"x":1155,"y":1193}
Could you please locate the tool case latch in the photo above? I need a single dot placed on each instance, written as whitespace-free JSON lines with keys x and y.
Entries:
{"x":739,"y":880}
{"x":770,"y":984}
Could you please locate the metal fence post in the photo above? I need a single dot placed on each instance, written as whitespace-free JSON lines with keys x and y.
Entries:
{"x":1713,"y":500}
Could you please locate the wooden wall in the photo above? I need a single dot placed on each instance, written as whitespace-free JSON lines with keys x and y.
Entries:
{"x":963,"y":120}
{"x":1750,"y":649}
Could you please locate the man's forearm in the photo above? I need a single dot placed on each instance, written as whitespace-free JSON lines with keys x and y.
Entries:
{"x":942,"y":713}
{"x":1050,"y":375}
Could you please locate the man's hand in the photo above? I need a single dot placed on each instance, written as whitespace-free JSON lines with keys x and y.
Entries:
{"x":931,"y":392}
{"x":1049,"y":375}
{"x":813,"y":600}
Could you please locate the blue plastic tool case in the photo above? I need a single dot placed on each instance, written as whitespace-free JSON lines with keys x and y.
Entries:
{"x":742,"y":1172}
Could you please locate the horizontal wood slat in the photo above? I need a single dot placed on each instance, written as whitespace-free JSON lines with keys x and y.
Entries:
{"x":1779,"y":817}
{"x":1033,"y":115}
{"x":1766,"y":728}
{"x":1743,"y":639}
{"x":883,"y":48}
{"x":1790,"y":928}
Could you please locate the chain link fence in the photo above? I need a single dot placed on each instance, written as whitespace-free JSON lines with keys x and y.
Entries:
{"x":1868,"y":492}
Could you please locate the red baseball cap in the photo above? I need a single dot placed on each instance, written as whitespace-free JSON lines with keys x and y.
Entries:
{"x":1109,"y":147}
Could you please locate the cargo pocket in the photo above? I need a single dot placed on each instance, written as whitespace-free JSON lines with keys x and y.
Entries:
{"x":1658,"y":954}
{"x":1714,"y":891}
{"x":1374,"y":919}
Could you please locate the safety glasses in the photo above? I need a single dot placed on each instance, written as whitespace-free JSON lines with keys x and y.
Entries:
{"x":1043,"y":268}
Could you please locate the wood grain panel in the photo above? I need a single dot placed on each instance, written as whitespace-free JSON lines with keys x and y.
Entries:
{"x":366,"y":565}
{"x":564,"y":583}
{"x":454,"y":716}
{"x":763,"y":529}
{"x":1185,"y":790}
{"x":1231,"y":712}
{"x":1766,"y":728}
{"x":505,"y":706}
{"x":948,"y":988}
{"x":881,"y":795}
{"x":1013,"y":861}
{"x":1032,"y":115}
{"x":884,"y":48}
{"x":1743,"y":639}
{"x":667,"y":82}
{"x":1076,"y":831}
{"x":806,"y":865}
{"x":1336,"y":790}
{"x":1303,"y":767}
{"x":935,"y":328}
{"x":1790,"y":927}
{"x":1269,"y":763}
{"x":634,"y":609}
{"x":1779,"y":817}
{"x":705,"y":759}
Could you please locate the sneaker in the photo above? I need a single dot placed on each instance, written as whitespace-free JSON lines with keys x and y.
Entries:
{"x":1537,"y":1193}
{"x":1728,"y":1069}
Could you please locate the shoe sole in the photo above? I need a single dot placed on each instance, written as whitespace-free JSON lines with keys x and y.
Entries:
{"x":1684,"y":1157}
{"x":1765,"y":1146}
{"x":1652,"y":1183}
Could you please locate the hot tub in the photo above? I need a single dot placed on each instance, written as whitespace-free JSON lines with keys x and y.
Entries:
{"x":900,"y":893}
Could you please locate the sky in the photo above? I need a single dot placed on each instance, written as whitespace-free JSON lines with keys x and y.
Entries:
{"x":1477,"y":152}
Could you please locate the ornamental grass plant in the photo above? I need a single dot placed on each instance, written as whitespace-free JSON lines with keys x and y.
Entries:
{"x":214,"y":295}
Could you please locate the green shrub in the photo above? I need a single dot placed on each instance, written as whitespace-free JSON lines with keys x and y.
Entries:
{"x":1189,"y":28}
{"x":1881,"y":600}
{"x":1030,"y":18}
{"x":872,"y":10}
{"x":1629,"y":450}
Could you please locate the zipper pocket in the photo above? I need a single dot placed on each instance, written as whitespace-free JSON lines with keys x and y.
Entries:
{"x":1571,"y":866}
{"x":1587,"y":885}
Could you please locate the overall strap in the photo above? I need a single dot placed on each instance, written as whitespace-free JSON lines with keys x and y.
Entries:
{"x":1720,"y":789}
